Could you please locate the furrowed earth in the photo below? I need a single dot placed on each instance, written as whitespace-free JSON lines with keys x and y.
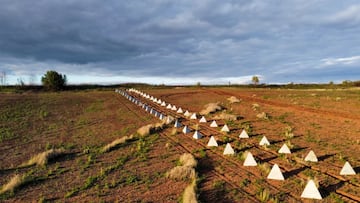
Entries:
{"x":81,"y":123}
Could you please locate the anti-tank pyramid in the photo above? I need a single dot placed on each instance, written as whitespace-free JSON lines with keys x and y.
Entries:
{"x":311,"y":191}
{"x":243,"y":134}
{"x":264,"y":141}
{"x":249,"y":160}
{"x":275,"y":173}
{"x":212,"y":142}
{"x":228,"y":150}
{"x":347,"y":169}
{"x":213,"y":124}
{"x":311,"y":157}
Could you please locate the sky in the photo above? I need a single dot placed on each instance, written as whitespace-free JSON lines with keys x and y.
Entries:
{"x":181,"y":42}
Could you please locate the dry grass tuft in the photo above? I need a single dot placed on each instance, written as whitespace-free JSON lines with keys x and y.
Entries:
{"x":14,"y":183}
{"x":265,"y":168}
{"x":226,"y":116}
{"x":233,"y":99}
{"x":188,"y":160}
{"x":168,"y":145}
{"x":186,"y":170}
{"x":181,"y":173}
{"x":145,"y":130}
{"x":211,"y":108}
{"x":255,"y":107}
{"x":173,"y":131}
{"x":151,"y":128}
{"x":263,"y":115}
{"x":43,"y":158}
{"x":195,"y":126}
{"x":115,"y":143}
{"x":189,"y":195}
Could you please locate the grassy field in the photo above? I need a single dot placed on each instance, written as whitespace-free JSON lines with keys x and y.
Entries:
{"x":80,"y":123}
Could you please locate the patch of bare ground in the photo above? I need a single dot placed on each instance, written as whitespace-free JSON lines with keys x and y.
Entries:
{"x":83,"y":123}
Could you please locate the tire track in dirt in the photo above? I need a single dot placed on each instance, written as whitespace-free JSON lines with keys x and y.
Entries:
{"x":186,"y":146}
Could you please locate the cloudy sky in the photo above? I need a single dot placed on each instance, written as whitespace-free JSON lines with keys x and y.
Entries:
{"x":185,"y":41}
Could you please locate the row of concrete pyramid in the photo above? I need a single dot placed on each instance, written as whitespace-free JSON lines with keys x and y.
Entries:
{"x":310,"y":190}
{"x":147,"y":108}
{"x":192,"y":116}
{"x":310,"y":157}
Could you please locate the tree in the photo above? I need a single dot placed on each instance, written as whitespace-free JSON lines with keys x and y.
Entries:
{"x":255,"y":80}
{"x":52,"y":80}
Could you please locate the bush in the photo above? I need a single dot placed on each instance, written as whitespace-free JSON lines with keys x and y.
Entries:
{"x":52,"y":80}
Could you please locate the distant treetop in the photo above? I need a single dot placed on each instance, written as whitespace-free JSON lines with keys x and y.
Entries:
{"x":53,"y":80}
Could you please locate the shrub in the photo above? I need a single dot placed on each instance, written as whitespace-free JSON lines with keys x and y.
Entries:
{"x":52,"y":80}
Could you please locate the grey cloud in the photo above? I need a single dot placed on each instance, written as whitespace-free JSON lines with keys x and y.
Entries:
{"x":189,"y":38}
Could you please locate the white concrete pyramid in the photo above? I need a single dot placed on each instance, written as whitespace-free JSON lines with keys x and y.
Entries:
{"x":264,"y":141}
{"x":311,"y":156}
{"x":213,"y":124}
{"x":177,"y":124}
{"x":193,"y":116}
{"x":243,"y":134}
{"x":173,"y":108}
{"x":311,"y":191}
{"x":168,"y":106}
{"x":180,"y":110}
{"x":187,"y":113}
{"x":250,"y":161}
{"x":225,"y":128}
{"x":284,"y":149}
{"x":186,"y":130}
{"x":163,"y":103}
{"x":212,"y":142}
{"x":197,"y":135}
{"x":275,"y":173}
{"x":347,"y":170}
{"x":202,"y":120}
{"x":228,"y":150}
{"x":159,"y":101}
